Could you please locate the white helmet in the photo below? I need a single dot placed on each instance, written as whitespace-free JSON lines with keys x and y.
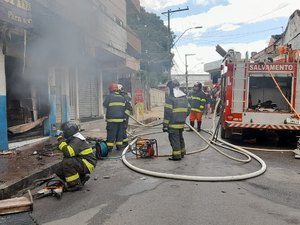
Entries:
{"x":120,"y":87}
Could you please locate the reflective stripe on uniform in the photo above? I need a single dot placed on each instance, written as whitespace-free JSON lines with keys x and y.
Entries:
{"x":72,"y":178}
{"x":195,"y":98}
{"x":61,"y":145}
{"x":180,"y":110}
{"x":176,"y":154}
{"x":115,"y":120}
{"x":183,"y":151}
{"x":110,"y":144}
{"x":71,"y":151}
{"x":168,"y":106}
{"x":116,"y":104}
{"x":86,"y":151}
{"x":89,"y":165}
{"x":166,"y":121}
{"x":119,"y":143}
{"x":176,"y":126}
{"x":125,"y":140}
{"x":127,"y":112}
{"x":195,"y":110}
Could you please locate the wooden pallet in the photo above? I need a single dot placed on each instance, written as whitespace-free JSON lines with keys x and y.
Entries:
{"x":16,"y":205}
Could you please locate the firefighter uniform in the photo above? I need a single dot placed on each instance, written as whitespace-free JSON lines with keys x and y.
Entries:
{"x":197,"y":100}
{"x":115,"y":116}
{"x":175,"y":112}
{"x":79,"y":158}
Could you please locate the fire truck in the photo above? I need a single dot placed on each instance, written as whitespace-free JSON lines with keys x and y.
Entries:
{"x":259,"y":96}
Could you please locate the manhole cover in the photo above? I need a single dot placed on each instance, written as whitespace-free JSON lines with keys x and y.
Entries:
{"x":17,"y":219}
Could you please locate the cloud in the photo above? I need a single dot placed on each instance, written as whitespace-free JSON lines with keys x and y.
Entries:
{"x":237,"y":12}
{"x":205,"y":54}
{"x":157,"y":5}
{"x":204,"y":2}
{"x":228,"y":27}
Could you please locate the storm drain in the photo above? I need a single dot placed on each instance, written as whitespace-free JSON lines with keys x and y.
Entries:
{"x":17,"y":219}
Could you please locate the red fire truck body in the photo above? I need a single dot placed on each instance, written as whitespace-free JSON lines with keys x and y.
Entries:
{"x":252,"y":101}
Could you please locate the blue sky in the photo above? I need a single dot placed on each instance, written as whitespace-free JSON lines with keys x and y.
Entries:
{"x":234,"y":24}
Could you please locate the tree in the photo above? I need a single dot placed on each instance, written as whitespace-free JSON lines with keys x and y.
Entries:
{"x":156,"y":56}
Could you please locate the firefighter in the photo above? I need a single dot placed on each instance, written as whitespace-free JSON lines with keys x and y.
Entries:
{"x":197,"y":100}
{"x":79,"y":158}
{"x":115,"y":117}
{"x":175,"y":112}
{"x":128,"y":111}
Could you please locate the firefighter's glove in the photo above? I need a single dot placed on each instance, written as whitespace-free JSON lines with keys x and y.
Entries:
{"x":165,"y":128}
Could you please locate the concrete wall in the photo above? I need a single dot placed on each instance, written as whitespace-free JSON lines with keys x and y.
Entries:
{"x":157,"y":97}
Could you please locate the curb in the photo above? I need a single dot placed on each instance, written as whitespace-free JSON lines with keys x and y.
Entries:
{"x":7,"y":190}
{"x":13,"y":187}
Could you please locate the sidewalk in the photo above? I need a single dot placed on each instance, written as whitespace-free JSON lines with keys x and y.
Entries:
{"x":37,"y":158}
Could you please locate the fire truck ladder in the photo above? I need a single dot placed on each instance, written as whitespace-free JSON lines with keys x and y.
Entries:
{"x":239,"y":91}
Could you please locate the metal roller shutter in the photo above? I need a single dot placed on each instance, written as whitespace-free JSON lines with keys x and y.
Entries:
{"x":88,"y":97}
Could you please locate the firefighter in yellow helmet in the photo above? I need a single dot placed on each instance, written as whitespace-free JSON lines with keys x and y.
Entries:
{"x":176,"y":111}
{"x":79,"y":158}
{"x":115,"y":117}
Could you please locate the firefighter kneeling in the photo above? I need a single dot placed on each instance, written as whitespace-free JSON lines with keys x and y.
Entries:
{"x":79,"y":158}
{"x":175,"y":112}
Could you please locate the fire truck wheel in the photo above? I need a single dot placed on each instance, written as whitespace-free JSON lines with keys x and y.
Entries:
{"x":223,"y":133}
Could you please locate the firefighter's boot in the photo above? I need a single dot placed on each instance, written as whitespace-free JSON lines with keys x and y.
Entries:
{"x":192,"y":123}
{"x":84,"y":178}
{"x":199,"y":126}
{"x":76,"y":187}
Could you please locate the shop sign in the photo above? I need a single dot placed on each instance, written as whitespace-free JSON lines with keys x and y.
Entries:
{"x":16,"y":12}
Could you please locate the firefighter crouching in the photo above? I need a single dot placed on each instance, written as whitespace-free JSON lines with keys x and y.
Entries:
{"x":128,"y":111}
{"x":197,"y":100}
{"x":175,"y":112}
{"x":79,"y":158}
{"x":115,"y":116}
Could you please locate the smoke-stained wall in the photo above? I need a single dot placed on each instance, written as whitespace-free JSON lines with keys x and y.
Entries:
{"x":87,"y":40}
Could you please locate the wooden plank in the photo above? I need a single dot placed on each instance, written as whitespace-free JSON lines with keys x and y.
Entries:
{"x":15,"y":205}
{"x":27,"y":126}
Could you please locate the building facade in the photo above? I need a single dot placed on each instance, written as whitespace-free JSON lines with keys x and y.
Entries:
{"x":57,"y":60}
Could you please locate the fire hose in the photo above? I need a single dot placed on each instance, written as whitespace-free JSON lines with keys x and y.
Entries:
{"x":203,"y":178}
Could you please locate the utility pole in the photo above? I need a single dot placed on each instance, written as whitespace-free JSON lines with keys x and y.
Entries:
{"x":186,"y":72}
{"x":169,"y":34}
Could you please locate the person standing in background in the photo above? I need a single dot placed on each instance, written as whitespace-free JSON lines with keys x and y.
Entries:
{"x":128,"y":111}
{"x":207,"y":91}
{"x":115,"y":117}
{"x":197,"y":100}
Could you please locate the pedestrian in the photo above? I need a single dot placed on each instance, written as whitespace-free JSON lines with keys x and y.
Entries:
{"x":176,"y":111}
{"x":128,"y":111}
{"x":115,"y":116}
{"x":197,"y":100}
{"x":79,"y":158}
{"x":207,"y":92}
{"x":215,"y":94}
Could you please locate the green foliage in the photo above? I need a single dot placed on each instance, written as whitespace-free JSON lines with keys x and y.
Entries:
{"x":156,"y":57}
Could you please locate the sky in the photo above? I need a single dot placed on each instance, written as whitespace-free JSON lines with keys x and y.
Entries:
{"x":245,"y":26}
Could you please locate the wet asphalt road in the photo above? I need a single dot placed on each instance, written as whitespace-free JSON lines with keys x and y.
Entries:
{"x":126,"y":197}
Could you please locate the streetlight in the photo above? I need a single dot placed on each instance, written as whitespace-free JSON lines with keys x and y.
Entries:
{"x":169,"y":49}
{"x":186,"y":71}
{"x":198,"y":27}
